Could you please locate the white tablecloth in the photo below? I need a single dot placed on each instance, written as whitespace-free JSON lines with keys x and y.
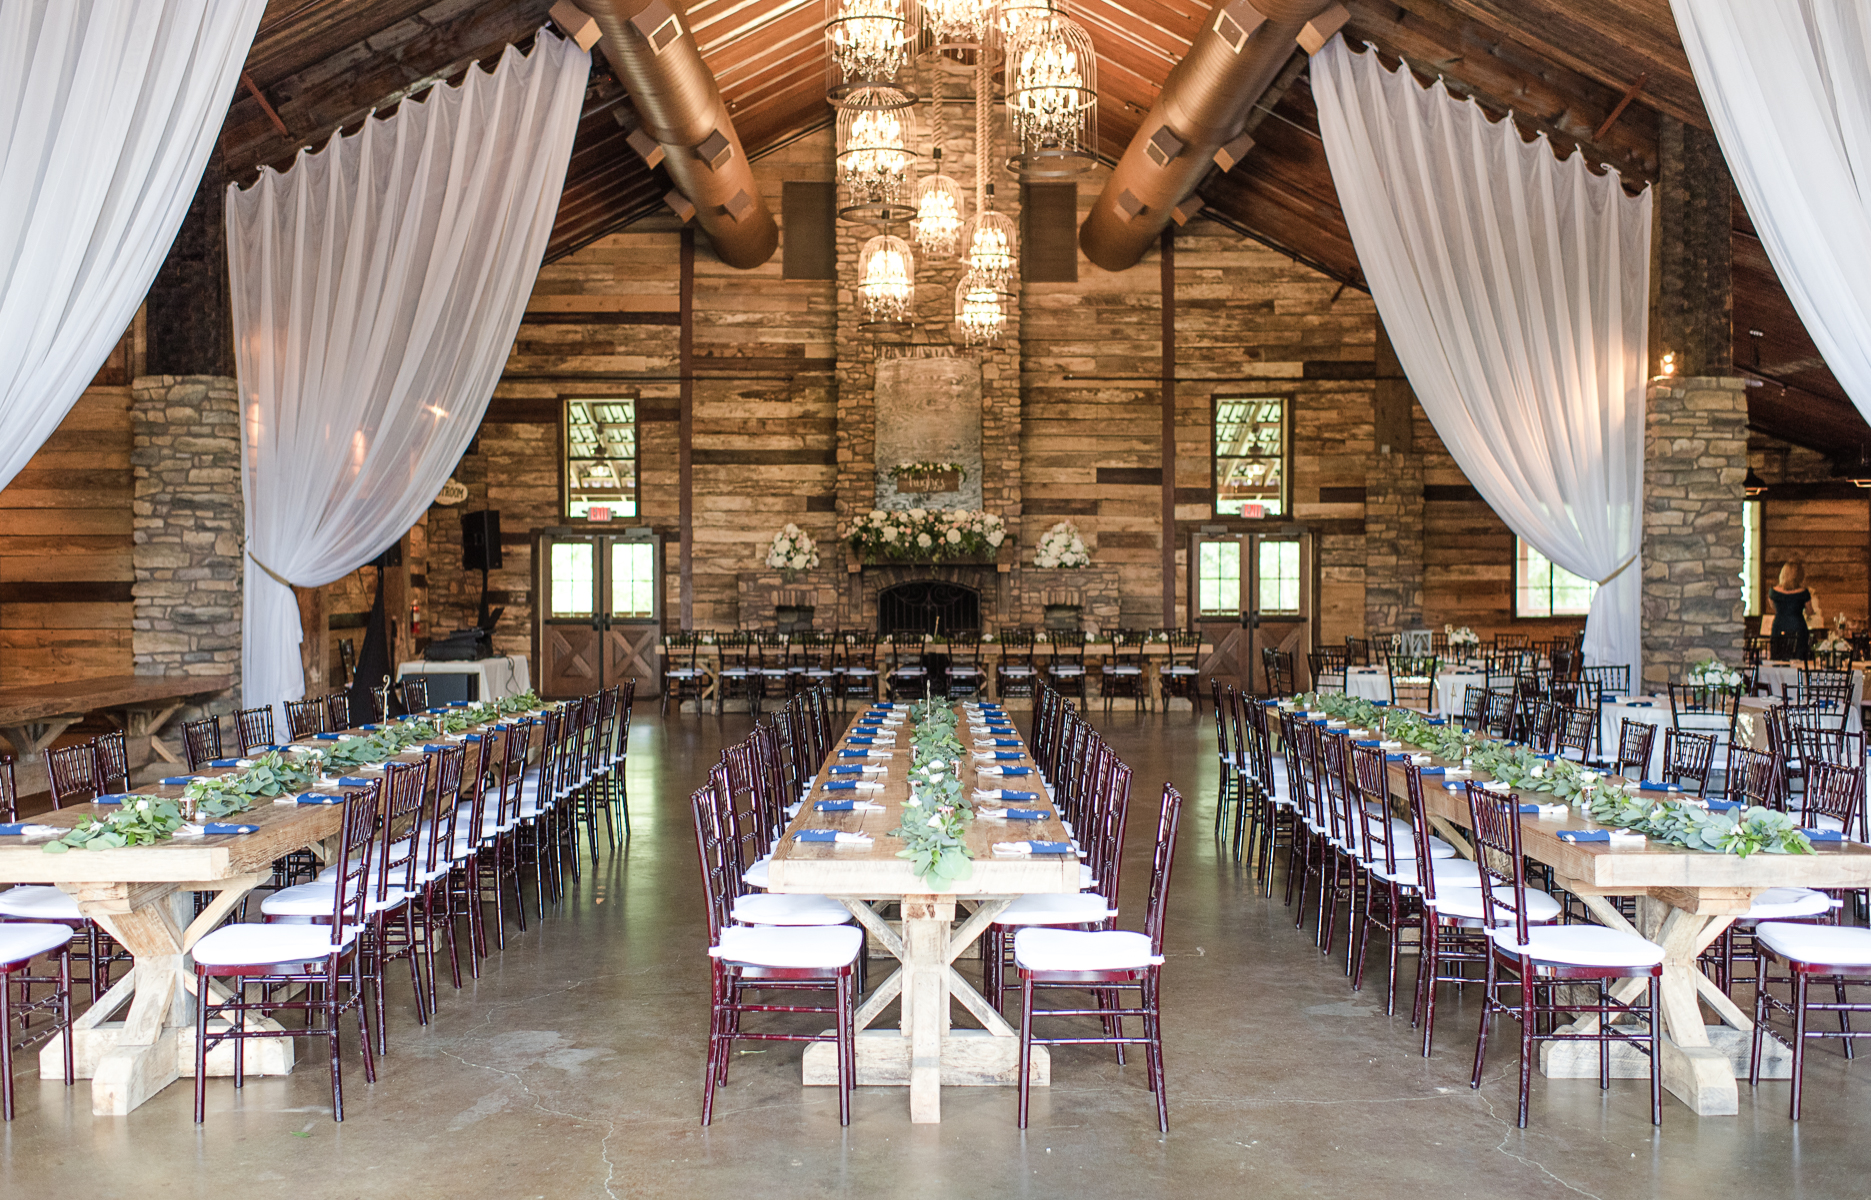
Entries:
{"x":1655,"y":710}
{"x":1784,"y":679}
{"x":499,"y":677}
{"x":1373,"y":683}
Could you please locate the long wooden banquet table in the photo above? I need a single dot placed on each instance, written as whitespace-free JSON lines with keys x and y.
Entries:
{"x":1685,"y":900}
{"x":926,"y":1051}
{"x":143,"y":896}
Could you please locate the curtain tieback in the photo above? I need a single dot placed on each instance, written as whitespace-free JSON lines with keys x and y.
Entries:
{"x":276,"y":576}
{"x":1601,"y":583}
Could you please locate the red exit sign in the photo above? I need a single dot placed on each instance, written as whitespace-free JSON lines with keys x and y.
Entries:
{"x":598,"y":512}
{"x":1255,"y":510}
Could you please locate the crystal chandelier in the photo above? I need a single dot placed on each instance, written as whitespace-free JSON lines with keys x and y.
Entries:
{"x":1052,"y":97}
{"x":873,"y":155}
{"x":990,"y":244}
{"x":1012,"y":14}
{"x":887,"y":279}
{"x":938,"y":222}
{"x":871,"y":40}
{"x":959,"y":24}
{"x":980,"y":309}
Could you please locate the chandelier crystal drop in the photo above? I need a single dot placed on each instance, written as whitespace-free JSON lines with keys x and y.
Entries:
{"x":959,"y":24}
{"x":887,"y":279}
{"x":1052,"y":96}
{"x":939,"y":205}
{"x":873,"y":152}
{"x":870,"y":40}
{"x":980,"y":309}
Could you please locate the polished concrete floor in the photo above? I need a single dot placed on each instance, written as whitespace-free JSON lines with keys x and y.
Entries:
{"x":572,"y":1069}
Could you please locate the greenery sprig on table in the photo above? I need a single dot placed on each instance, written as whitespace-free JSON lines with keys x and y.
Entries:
{"x":936,"y":816}
{"x":526,"y":701}
{"x":270,"y":776}
{"x":1678,"y":822}
{"x":381,"y":745}
{"x":143,"y":821}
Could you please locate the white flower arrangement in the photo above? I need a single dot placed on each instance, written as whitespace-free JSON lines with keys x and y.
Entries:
{"x":928,"y":468}
{"x":1711,"y":673}
{"x":793,"y":549}
{"x":922,"y":533}
{"x":1462,"y":638}
{"x":1061,"y":546}
{"x":1834,"y":644}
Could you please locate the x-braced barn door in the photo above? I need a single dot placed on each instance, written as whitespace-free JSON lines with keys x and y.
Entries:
{"x":600,"y":610}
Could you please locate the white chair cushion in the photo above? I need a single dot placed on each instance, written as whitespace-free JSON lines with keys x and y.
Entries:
{"x":801,"y":946}
{"x":1585,"y":945}
{"x":1466,"y":902}
{"x":1839,"y":945}
{"x":1067,"y":669}
{"x":1450,"y":872}
{"x":1781,"y":903}
{"x":1123,"y":670}
{"x":21,"y":940}
{"x":316,"y":899}
{"x":39,"y":902}
{"x":1016,"y":670}
{"x":1179,"y":670}
{"x":1085,"y":880}
{"x":756,"y":875}
{"x":1056,"y":908}
{"x":770,"y":908}
{"x":1073,"y":950}
{"x":267,"y":945}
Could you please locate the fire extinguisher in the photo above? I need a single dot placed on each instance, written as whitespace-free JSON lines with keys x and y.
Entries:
{"x":415,"y":620}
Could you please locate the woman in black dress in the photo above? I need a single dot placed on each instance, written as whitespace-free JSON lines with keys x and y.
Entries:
{"x":1793,"y":603}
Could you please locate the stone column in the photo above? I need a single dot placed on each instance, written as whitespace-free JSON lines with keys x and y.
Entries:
{"x":189,"y":529}
{"x":1695,"y":460}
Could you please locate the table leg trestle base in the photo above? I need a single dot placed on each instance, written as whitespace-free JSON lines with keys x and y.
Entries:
{"x":970,"y":1058}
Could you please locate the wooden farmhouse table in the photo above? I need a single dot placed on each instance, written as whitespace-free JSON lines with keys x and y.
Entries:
{"x":143,"y":896}
{"x":31,"y":718}
{"x":926,"y":1051}
{"x":1685,"y":900}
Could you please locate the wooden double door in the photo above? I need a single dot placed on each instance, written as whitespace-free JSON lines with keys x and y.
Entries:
{"x":600,"y":610}
{"x":1250,"y":591}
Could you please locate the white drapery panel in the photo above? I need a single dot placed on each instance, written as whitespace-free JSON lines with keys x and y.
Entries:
{"x":108,"y":110}
{"x":1787,"y":85}
{"x":377,"y":288}
{"x":1515,"y":288}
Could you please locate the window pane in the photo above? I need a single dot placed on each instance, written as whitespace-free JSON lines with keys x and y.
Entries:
{"x":574,"y":582}
{"x":1218,"y":577}
{"x":601,"y":457}
{"x":1542,"y":589}
{"x":1751,"y":557}
{"x":633,"y":579}
{"x":1279,"y":576}
{"x":1250,"y":455}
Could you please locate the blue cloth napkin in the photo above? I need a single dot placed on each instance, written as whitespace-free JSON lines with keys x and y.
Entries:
{"x":816,"y":835}
{"x":1585,"y":835}
{"x":470,"y":737}
{"x":1437,"y":721}
{"x":1015,"y":770}
{"x":1725,"y":805}
{"x":884,"y":704}
{"x":1366,"y":742}
{"x":847,"y":770}
{"x":870,"y":724}
{"x":1433,"y":771}
{"x":1530,"y":810}
{"x":434,"y":749}
{"x":460,"y":704}
{"x":841,"y":785}
{"x":1547,"y":757}
{"x":1028,"y":814}
{"x":1380,"y":704}
{"x":1050,"y":847}
{"x":328,"y":737}
{"x":997,"y":728}
{"x":992,"y":707}
{"x":13,"y":828}
{"x":1639,"y":704}
{"x":835,"y":805}
{"x":1006,"y":741}
{"x":1823,"y":835}
{"x":1396,"y":756}
{"x":1007,"y":756}
{"x":224,"y":762}
{"x":854,"y":754}
{"x":1010,"y":794}
{"x":315,"y":798}
{"x":354,"y":781}
{"x":115,"y":797}
{"x":1651,"y":785}
{"x":174,"y":781}
{"x":860,"y":741}
{"x":439,"y":710}
{"x":213,"y":827}
{"x":371,"y":727}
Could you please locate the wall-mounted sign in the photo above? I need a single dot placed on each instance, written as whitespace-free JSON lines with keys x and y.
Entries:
{"x":1254,"y":510}
{"x":598,"y":512}
{"x":453,"y":492}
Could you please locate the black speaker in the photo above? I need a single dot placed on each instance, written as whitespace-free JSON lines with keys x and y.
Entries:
{"x":480,"y":540}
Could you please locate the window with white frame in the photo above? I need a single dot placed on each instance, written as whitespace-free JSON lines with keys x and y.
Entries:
{"x":1542,"y":589}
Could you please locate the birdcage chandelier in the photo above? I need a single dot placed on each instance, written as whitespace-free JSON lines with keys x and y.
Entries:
{"x":980,"y":309}
{"x":959,"y":24}
{"x":937,"y":226}
{"x":874,"y":156}
{"x":870,"y":40}
{"x":887,"y":279}
{"x":990,"y":243}
{"x":1052,"y":97}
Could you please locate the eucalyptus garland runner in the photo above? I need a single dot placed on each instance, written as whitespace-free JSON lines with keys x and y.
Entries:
{"x":936,"y":816}
{"x":1673,"y":822}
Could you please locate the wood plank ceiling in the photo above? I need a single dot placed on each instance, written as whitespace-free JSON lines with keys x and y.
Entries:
{"x":1596,"y":75}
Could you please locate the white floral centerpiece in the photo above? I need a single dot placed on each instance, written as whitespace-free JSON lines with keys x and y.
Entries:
{"x":924,"y":535}
{"x":1061,"y":546}
{"x":1462,"y":639}
{"x":1711,"y":673}
{"x":793,"y":551}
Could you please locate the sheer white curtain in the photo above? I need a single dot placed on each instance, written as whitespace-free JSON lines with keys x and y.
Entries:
{"x":1515,"y":288}
{"x":108,"y":110}
{"x":377,"y":288}
{"x":1787,"y":86}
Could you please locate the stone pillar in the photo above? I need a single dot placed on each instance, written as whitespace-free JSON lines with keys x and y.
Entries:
{"x":1692,"y":285}
{"x":1695,"y":461}
{"x":1393,"y":503}
{"x":189,"y":529}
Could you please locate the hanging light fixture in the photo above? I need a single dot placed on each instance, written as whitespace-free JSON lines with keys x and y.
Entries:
{"x":959,"y":24}
{"x":990,"y":243}
{"x":870,"y":40}
{"x":874,"y":156}
{"x":887,"y":280}
{"x":1013,"y":14}
{"x":1052,"y":97}
{"x":938,"y":222}
{"x":980,"y":309}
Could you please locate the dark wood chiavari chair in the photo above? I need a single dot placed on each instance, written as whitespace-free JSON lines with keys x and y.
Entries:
{"x":1065,"y":670}
{"x":1180,"y":676}
{"x":112,"y":753}
{"x":1636,"y":740}
{"x":966,"y":677}
{"x":253,"y":728}
{"x":1413,"y":681}
{"x":1358,"y":651}
{"x":1575,"y":731}
{"x":1753,"y":779}
{"x":1124,"y":674}
{"x":1705,"y":708}
{"x":434,"y":897}
{"x":1015,"y":675}
{"x":1688,"y":758}
{"x":72,"y":774}
{"x":304,"y":718}
{"x":337,"y":712}
{"x":1612,"y":680}
{"x":201,"y":742}
{"x":684,"y":677}
{"x":1276,"y":667}
{"x":1328,"y":665}
{"x":1497,"y":719}
{"x":415,"y":693}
